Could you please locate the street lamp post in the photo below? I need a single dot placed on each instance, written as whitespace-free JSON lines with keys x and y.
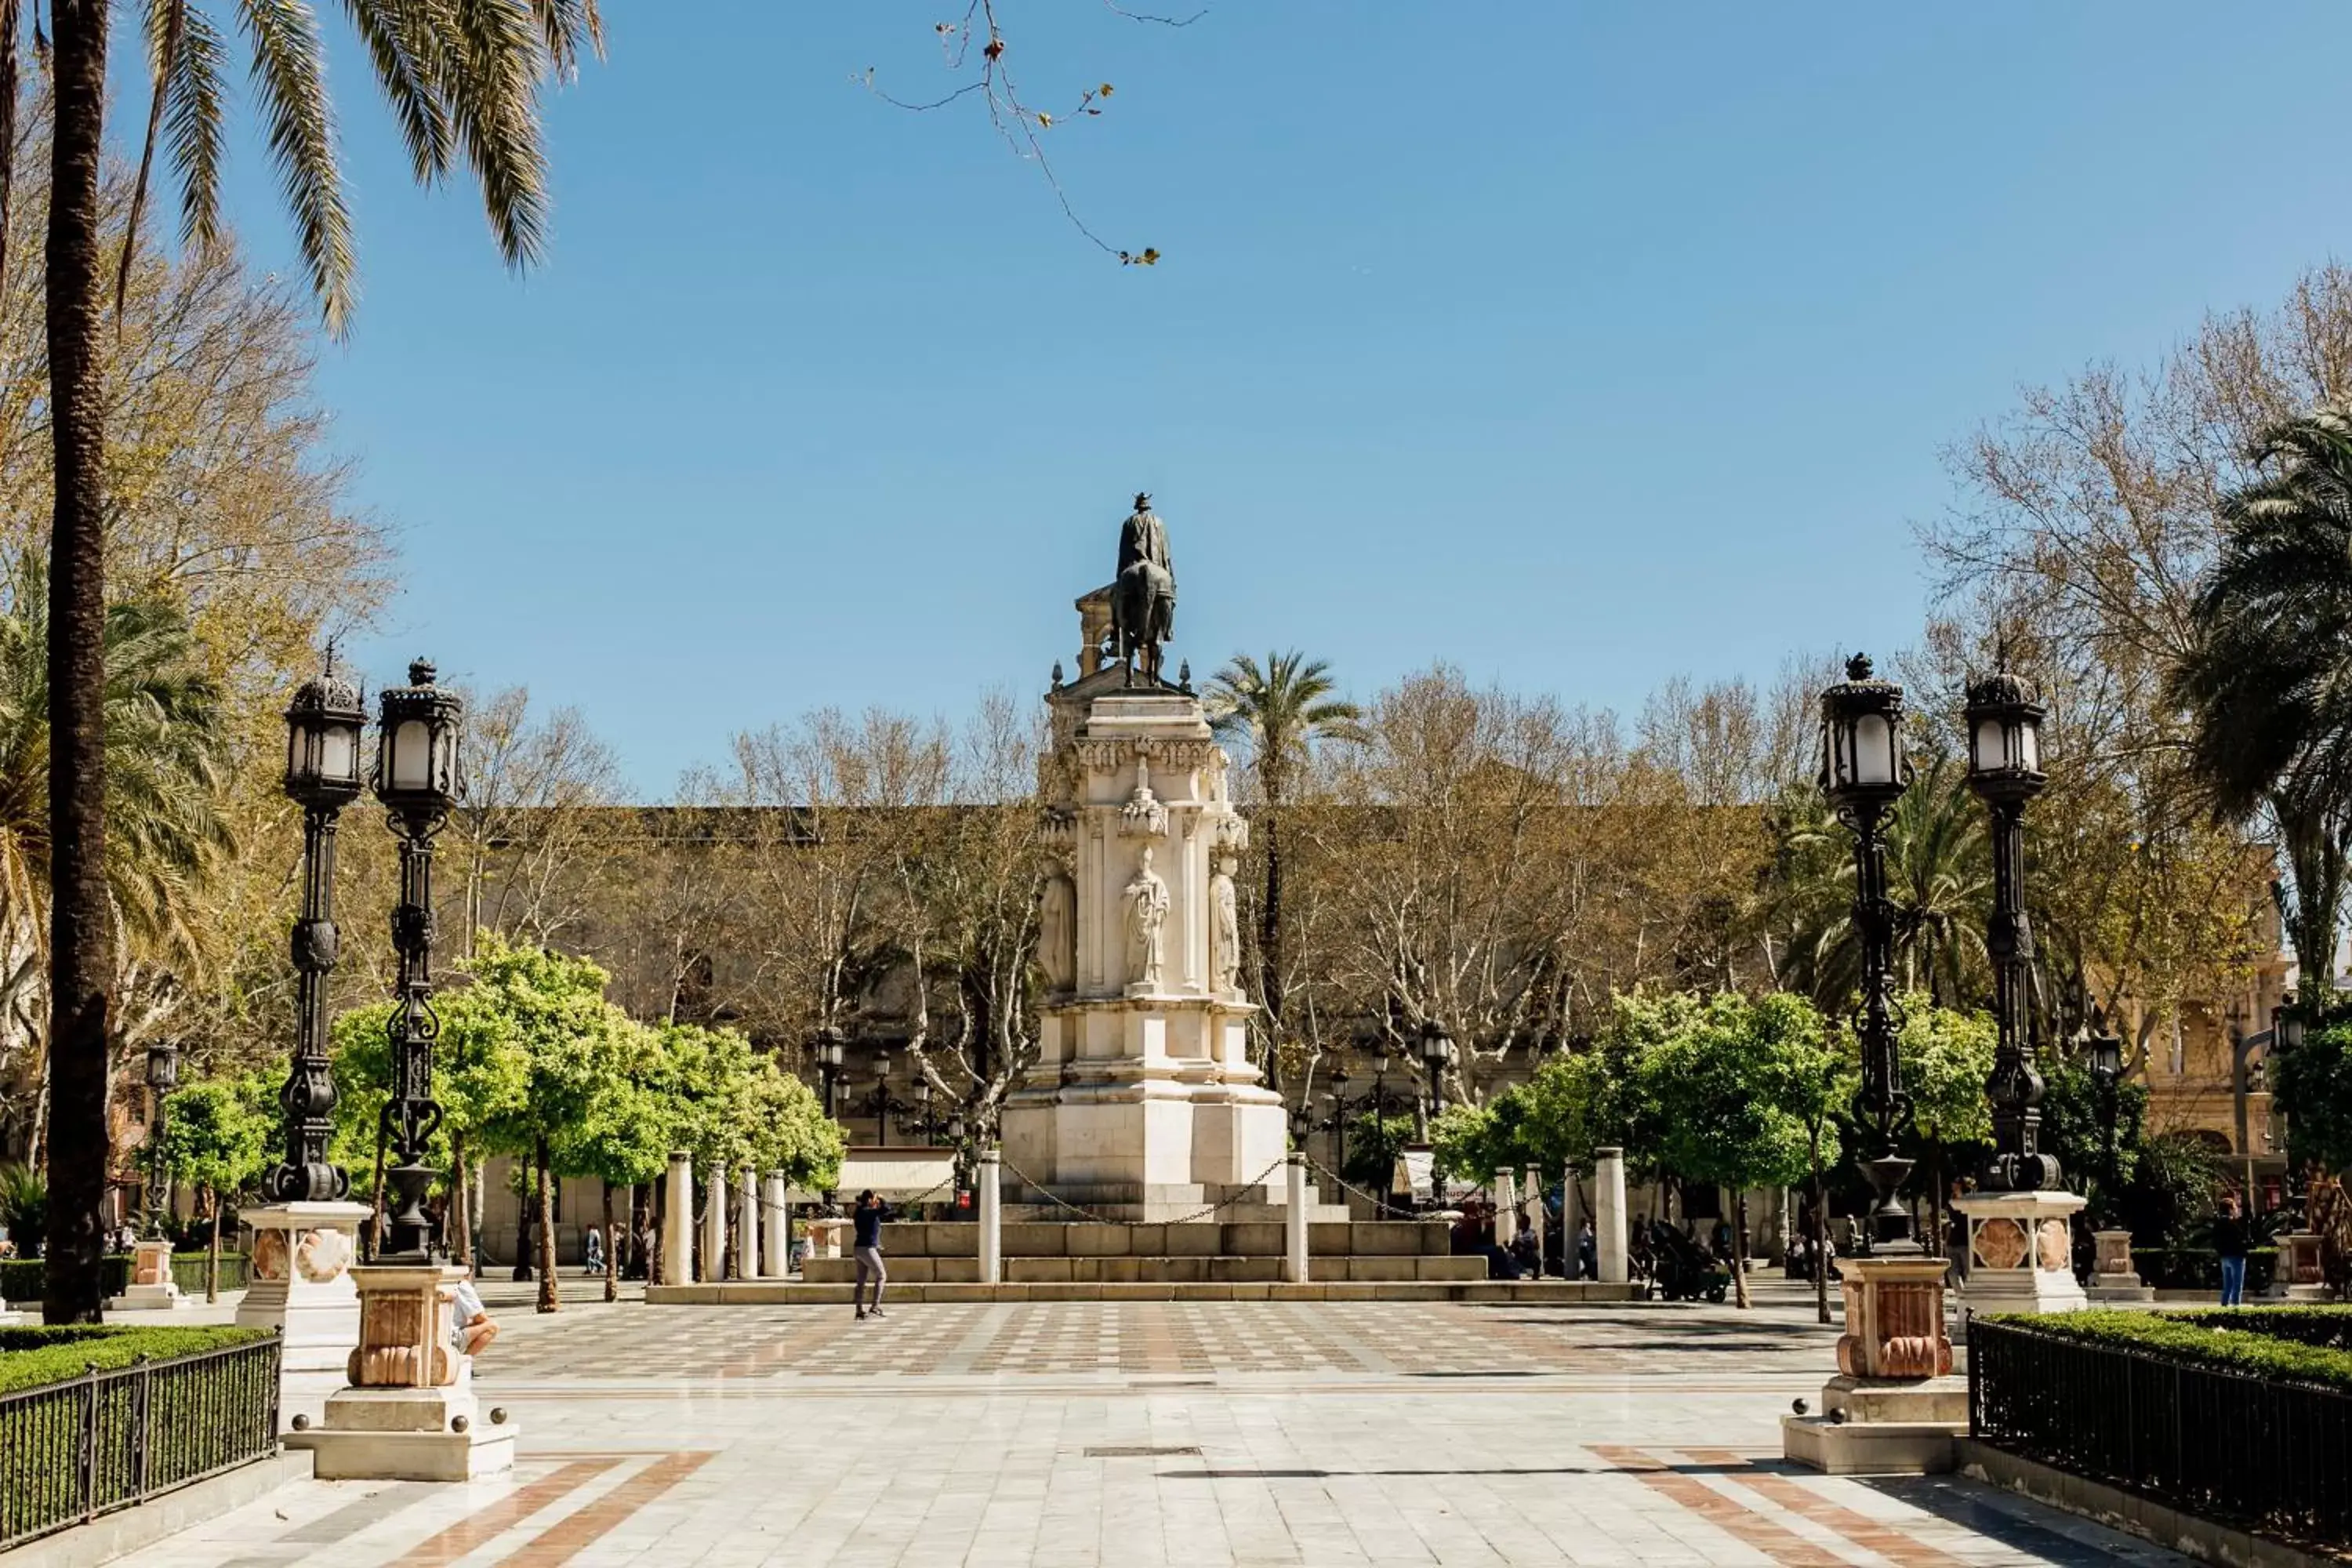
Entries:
{"x":828,"y":1066}
{"x":2004,"y":719}
{"x":418,"y":781}
{"x":2104,"y":1055}
{"x":1436,"y":1053}
{"x":162,"y":1077}
{"x":322,"y":776}
{"x":1864,"y":772}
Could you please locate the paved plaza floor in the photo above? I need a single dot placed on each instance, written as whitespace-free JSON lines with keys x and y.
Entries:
{"x":1151,"y":1433}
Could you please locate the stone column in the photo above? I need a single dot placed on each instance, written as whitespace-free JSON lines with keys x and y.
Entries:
{"x":677,"y":1221}
{"x":775,"y":1229}
{"x":1531,"y":1191}
{"x":714,"y":1227}
{"x":747,"y":1224}
{"x":1293,"y":1219}
{"x":1572,"y":1220}
{"x":1609,"y":1213}
{"x":991,"y":1218}
{"x":1506,"y":1208}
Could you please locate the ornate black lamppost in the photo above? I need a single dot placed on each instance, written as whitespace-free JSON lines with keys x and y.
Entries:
{"x":162,"y":1077}
{"x":322,"y":776}
{"x":1864,"y":772}
{"x":2004,"y":719}
{"x":2103,"y":1054}
{"x":418,"y":781}
{"x":1436,"y":1054}
{"x":829,"y":1053}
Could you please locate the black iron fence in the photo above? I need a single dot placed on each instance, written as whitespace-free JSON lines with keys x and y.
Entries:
{"x":2261,"y":1453}
{"x":71,"y":1451}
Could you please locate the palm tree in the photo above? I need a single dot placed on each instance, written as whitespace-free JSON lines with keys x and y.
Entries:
{"x":1279,"y":710}
{"x":2267,"y":678}
{"x":1938,"y":877}
{"x":463,"y":78}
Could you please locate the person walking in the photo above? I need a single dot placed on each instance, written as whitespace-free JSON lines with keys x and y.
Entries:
{"x":2230,"y":1241}
{"x":867,"y":1218}
{"x":592,"y":1256}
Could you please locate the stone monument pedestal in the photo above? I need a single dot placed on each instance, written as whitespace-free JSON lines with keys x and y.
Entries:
{"x":409,"y":1412}
{"x":2116,"y":1281}
{"x":2297,"y":1276}
{"x":150,"y":1288}
{"x":301,"y":1281}
{"x":1894,"y":1408}
{"x":2021,"y":1252}
{"x":1143,"y":1104}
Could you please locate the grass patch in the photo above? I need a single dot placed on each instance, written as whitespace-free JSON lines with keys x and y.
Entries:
{"x":30,"y":1357}
{"x":2309,"y":1345}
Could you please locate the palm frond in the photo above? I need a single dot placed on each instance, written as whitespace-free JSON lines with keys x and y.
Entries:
{"x":491,"y":82}
{"x":403,"y":43}
{"x":166,"y":21}
{"x":194,"y":122}
{"x":290,"y":80}
{"x":572,"y":28}
{"x":8,"y":20}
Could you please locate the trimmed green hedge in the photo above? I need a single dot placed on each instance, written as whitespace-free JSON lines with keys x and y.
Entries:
{"x":20,"y":1277}
{"x":2290,"y":1344}
{"x":30,"y":1357}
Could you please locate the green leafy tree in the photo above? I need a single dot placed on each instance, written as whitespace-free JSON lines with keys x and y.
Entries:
{"x":217,"y":1139}
{"x":464,"y":82}
{"x":1819,"y":1077}
{"x":1471,"y":1142}
{"x":627,"y":1135}
{"x":1725,"y":1082}
{"x":2267,"y":678}
{"x":1373,"y":1144}
{"x":2074,"y":1128}
{"x":2315,"y":1079}
{"x":1946,"y":1056}
{"x":1279,"y":710}
{"x":733,"y":1108}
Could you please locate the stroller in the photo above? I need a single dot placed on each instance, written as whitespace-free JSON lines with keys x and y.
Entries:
{"x":1683,"y":1271}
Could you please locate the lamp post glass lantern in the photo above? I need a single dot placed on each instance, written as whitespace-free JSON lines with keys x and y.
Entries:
{"x":2004,"y":717}
{"x":1864,"y":770}
{"x":829,"y":1054}
{"x":418,"y":778}
{"x":1436,"y":1054}
{"x":323,"y":727}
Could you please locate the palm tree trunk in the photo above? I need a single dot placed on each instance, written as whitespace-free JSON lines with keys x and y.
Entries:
{"x":1820,"y":1235}
{"x":81,"y":965}
{"x":543,"y":1209}
{"x":1269,"y":947}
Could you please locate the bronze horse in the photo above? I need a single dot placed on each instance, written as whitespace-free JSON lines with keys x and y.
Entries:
{"x":1142,"y":616}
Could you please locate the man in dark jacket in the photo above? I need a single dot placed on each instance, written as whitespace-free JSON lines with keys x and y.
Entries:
{"x":868,"y":1217}
{"x":2230,"y":1240}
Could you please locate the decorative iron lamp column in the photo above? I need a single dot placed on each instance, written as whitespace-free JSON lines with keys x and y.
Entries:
{"x":163,"y":1077}
{"x":829,"y":1053}
{"x":418,"y":781}
{"x":1864,"y":771}
{"x":2021,"y":1222}
{"x":1437,"y":1053}
{"x":322,"y":776}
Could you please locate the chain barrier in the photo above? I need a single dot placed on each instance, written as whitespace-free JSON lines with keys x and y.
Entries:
{"x":1241,"y":1195}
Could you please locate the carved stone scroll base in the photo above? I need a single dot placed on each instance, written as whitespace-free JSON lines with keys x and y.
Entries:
{"x":2021,"y":1252}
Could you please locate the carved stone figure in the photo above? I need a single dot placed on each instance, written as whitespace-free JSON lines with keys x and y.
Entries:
{"x":1146,"y":918}
{"x":1225,"y":932}
{"x":1057,"y":933}
{"x":1143,"y":596}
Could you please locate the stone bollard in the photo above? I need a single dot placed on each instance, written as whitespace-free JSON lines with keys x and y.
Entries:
{"x":775,"y":1229}
{"x":987,"y":1178}
{"x":1294,"y":1220}
{"x":747,"y":1224}
{"x":714,"y":1228}
{"x":2116,"y":1278}
{"x":1572,"y":1220}
{"x":1507,"y":1209}
{"x":1609,"y":1213}
{"x":677,"y":1221}
{"x":1531,"y":1192}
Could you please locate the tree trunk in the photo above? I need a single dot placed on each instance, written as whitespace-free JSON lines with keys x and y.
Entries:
{"x":543,"y":1211}
{"x":82,"y":963}
{"x":212,"y":1259}
{"x":461,"y":1238}
{"x":1821,"y":1238}
{"x":612,"y":1250}
{"x":1739,"y":1246}
{"x":1269,"y":947}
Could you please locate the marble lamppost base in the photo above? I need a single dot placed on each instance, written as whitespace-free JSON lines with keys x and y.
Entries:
{"x":2297,"y":1276}
{"x":150,"y":1288}
{"x":409,"y":1412}
{"x":1894,"y":1408}
{"x":2116,"y":1282}
{"x":2021,"y":1252}
{"x":301,"y":1285}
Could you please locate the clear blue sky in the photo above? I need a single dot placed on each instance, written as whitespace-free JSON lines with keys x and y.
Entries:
{"x":1577,"y":344}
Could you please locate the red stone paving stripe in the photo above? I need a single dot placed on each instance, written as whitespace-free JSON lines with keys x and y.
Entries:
{"x":1873,"y":1534}
{"x":1732,"y":1517}
{"x":500,"y":1515}
{"x":567,"y":1536}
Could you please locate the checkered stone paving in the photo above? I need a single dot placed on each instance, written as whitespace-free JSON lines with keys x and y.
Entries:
{"x":1151,"y":1433}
